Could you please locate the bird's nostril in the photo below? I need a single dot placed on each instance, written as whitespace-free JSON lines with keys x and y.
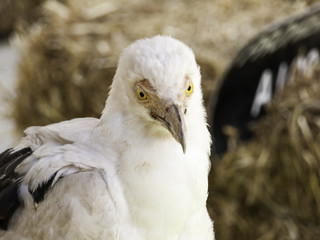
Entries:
{"x":185,"y":111}
{"x":167,"y":109}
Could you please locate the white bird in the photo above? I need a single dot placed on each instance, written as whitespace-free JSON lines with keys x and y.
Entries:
{"x":140,"y":172}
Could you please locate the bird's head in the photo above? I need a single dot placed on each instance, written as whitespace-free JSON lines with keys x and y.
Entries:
{"x":158,"y":82}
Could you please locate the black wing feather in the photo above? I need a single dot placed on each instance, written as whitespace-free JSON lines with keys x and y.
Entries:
{"x":39,"y":193}
{"x":9,"y":183}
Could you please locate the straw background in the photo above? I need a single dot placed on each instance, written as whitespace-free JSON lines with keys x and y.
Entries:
{"x":68,"y":50}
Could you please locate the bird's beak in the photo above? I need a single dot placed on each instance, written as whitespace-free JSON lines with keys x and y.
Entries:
{"x":175,"y":124}
{"x":173,"y":120}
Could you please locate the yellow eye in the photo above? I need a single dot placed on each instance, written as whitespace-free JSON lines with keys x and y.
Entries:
{"x":141,"y":95}
{"x":190,"y":88}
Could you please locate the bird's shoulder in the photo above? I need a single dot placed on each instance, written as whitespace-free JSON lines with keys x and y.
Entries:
{"x":61,"y":149}
{"x":58,"y":133}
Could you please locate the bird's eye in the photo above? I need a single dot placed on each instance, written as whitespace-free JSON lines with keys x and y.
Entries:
{"x":141,"y":95}
{"x":190,"y":88}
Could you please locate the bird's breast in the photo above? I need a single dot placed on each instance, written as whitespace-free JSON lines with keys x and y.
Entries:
{"x":162,"y":185}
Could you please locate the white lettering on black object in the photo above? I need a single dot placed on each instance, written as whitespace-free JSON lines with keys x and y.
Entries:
{"x":263,"y":93}
{"x":282,"y":76}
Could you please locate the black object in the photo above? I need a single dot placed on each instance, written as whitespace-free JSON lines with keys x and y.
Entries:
{"x":262,"y":64}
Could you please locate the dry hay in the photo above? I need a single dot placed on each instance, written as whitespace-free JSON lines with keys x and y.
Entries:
{"x":18,"y":14}
{"x":269,"y":188}
{"x":67,"y":59}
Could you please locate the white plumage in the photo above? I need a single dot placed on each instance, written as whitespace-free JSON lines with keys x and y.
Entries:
{"x":139,"y":172}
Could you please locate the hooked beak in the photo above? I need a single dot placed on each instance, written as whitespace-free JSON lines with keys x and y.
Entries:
{"x":174,"y":122}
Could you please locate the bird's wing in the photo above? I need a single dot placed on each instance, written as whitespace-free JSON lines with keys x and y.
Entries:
{"x":47,"y":160}
{"x":57,"y":150}
{"x":79,"y":206}
{"x":23,"y":169}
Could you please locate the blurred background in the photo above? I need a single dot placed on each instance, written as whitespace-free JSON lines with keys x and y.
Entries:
{"x":58,"y":58}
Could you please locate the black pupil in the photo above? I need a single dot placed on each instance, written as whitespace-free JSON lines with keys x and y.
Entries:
{"x":141,"y":94}
{"x":189,"y":88}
